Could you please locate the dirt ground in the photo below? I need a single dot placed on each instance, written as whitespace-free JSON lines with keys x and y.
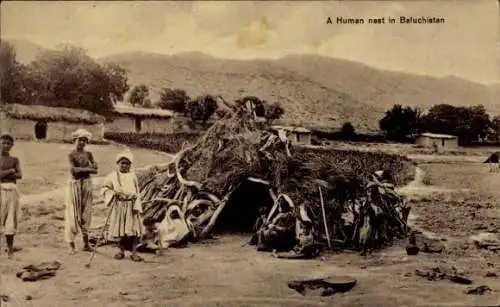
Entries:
{"x":225,"y":272}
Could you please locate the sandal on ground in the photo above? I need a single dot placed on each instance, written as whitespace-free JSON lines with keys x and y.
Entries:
{"x":136,"y":258}
{"x":119,"y":255}
{"x":87,"y":249}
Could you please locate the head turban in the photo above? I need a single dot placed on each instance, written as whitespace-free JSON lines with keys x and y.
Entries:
{"x":81,"y":133}
{"x":126,"y":154}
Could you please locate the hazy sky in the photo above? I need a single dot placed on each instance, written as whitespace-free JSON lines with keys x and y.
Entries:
{"x":465,"y":46}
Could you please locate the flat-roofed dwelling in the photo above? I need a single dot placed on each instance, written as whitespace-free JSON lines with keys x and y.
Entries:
{"x":439,"y":142}
{"x":297,"y":135}
{"x":129,"y":119}
{"x":38,"y":122}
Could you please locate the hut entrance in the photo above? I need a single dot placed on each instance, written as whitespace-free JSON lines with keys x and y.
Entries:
{"x":242,"y":208}
{"x":41,"y":130}
{"x":138,"y":124}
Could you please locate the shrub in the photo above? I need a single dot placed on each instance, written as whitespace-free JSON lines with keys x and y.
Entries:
{"x":170,"y":143}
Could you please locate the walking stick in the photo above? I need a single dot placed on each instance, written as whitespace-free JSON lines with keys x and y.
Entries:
{"x":324,"y":218}
{"x":99,"y":238}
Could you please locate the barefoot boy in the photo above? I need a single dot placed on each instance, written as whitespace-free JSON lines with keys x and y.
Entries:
{"x":10,"y":172}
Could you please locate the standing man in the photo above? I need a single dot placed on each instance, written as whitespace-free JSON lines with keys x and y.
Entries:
{"x":79,"y":193}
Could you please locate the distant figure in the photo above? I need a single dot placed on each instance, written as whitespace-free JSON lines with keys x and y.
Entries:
{"x":79,"y":194}
{"x":493,"y":161}
{"x":10,"y":172}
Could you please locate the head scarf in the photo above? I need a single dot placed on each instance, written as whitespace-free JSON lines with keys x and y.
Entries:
{"x":126,"y":154}
{"x":81,"y":133}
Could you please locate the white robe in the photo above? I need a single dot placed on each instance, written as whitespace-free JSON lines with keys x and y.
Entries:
{"x":123,"y":221}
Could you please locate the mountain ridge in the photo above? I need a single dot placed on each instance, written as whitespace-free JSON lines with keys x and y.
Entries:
{"x":315,"y":90}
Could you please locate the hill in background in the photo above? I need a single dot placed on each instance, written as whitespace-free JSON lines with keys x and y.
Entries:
{"x":26,"y":51}
{"x":314,"y":90}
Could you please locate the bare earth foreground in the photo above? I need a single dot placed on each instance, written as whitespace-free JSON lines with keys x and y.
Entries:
{"x":224,"y":272}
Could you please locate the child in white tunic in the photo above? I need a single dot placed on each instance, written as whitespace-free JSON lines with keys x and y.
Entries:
{"x":121,"y":194}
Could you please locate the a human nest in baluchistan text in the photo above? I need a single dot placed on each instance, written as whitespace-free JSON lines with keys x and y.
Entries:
{"x":379,"y":20}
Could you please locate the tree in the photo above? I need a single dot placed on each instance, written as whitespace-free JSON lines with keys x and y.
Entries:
{"x":138,"y":95}
{"x":68,"y":77}
{"x":399,"y":123}
{"x":174,"y":100}
{"x":470,"y":124}
{"x":347,"y":131}
{"x":201,"y":108}
{"x":12,"y":75}
{"x":252,"y":104}
{"x":148,"y":104}
{"x":273,"y":111}
{"x":495,"y":128}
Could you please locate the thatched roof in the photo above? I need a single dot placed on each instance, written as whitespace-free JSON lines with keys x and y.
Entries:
{"x":142,"y":112}
{"x":437,"y":136}
{"x":40,"y":112}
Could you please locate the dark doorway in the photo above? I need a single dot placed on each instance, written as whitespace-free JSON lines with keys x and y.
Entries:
{"x":41,"y":130}
{"x":138,"y":124}
{"x":242,"y":208}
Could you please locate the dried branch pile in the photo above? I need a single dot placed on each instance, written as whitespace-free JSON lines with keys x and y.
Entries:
{"x":201,"y":178}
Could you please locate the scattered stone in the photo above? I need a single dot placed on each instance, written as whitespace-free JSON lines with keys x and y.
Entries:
{"x":460,"y":279}
{"x":480,"y":226}
{"x":123,"y":293}
{"x":486,"y":240}
{"x":438,"y":273}
{"x":427,"y":244}
{"x":491,"y":273}
{"x":479,"y":290}
{"x":5,"y":298}
{"x":28,"y":297}
{"x":433,"y":247}
{"x":322,"y":286}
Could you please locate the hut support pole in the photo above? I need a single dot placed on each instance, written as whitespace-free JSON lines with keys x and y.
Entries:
{"x":216,"y":214}
{"x":324,"y":219}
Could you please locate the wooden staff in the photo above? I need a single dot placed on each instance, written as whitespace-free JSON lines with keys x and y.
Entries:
{"x":324,"y":218}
